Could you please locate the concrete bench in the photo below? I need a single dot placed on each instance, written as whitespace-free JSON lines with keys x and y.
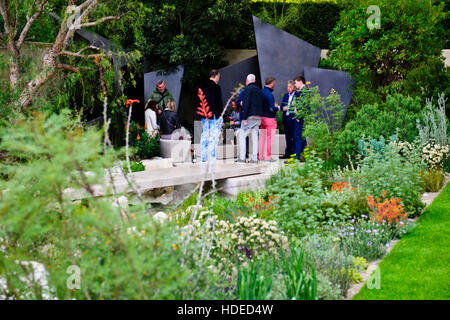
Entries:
{"x":178,"y":150}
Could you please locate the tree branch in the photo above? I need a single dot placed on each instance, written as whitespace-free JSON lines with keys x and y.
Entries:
{"x":67,"y":67}
{"x":94,"y":23}
{"x":6,"y":14}
{"x":90,"y":56}
{"x":30,"y":21}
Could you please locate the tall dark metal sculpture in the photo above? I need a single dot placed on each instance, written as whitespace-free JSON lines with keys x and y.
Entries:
{"x":282,"y":55}
{"x":232,"y":75}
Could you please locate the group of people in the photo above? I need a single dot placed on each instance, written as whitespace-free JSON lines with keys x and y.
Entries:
{"x":161,"y":115}
{"x":254,"y":111}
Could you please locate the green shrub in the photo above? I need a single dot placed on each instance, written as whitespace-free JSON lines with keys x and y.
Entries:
{"x":388,"y":171}
{"x":432,"y":180}
{"x":381,"y":59}
{"x":254,"y":282}
{"x":146,"y":146}
{"x":309,"y":20}
{"x":323,"y":116}
{"x":303,"y":205}
{"x":135,"y":166}
{"x":329,"y":261}
{"x":397,"y":116}
{"x":122,"y":253}
{"x":299,"y":277}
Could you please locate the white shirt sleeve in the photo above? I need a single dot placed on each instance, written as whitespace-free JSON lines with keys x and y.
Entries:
{"x":150,"y":121}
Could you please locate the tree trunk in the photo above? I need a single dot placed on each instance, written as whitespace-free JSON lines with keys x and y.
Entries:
{"x":48,"y":70}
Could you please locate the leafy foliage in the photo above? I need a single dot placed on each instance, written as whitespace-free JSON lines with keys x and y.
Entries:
{"x":303,"y":206}
{"x":411,"y":36}
{"x":146,"y":147}
{"x":40,"y":222}
{"x":398,"y":115}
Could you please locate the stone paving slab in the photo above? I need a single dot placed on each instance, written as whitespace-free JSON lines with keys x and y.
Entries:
{"x":167,"y":177}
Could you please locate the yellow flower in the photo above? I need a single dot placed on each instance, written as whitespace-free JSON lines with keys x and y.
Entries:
{"x":308,"y":83}
{"x":107,"y":242}
{"x":174,"y":246}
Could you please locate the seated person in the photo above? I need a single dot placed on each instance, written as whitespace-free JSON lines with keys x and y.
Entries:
{"x":151,"y":124}
{"x":170,"y":125}
{"x":235,"y":116}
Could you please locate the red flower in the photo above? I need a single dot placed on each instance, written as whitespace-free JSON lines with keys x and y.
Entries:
{"x":203,"y":110}
{"x":130,"y":102}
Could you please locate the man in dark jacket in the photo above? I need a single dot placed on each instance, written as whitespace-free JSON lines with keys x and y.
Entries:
{"x":252,"y":110}
{"x":213,"y":93}
{"x":288,"y":119}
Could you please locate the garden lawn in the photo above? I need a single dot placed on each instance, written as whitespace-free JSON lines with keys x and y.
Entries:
{"x":418,"y":267}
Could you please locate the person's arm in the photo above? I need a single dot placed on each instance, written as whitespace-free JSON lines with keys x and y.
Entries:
{"x":245,"y":102}
{"x":272,"y":106}
{"x":239,"y":99}
{"x":153,"y":121}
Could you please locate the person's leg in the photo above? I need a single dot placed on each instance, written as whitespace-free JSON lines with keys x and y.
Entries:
{"x":271,"y":128}
{"x":254,"y":124}
{"x":243,"y":132}
{"x":247,"y":146}
{"x":262,"y":138}
{"x":289,"y":136}
{"x":286,"y":134}
{"x":298,"y":139}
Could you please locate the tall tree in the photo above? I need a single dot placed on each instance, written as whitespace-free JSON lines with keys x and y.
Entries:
{"x":77,"y":15}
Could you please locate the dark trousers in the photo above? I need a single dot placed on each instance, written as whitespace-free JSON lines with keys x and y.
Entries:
{"x":288,"y":134}
{"x":295,"y":143}
{"x":299,"y":141}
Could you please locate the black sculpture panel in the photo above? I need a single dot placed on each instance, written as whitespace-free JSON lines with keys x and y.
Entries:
{"x":172,"y":80}
{"x":232,"y":75}
{"x":282,"y":55}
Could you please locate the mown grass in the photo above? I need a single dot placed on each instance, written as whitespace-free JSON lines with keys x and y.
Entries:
{"x":418,"y":267}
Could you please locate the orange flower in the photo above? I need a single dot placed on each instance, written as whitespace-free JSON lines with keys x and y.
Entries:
{"x":138,"y":126}
{"x":138,"y":137}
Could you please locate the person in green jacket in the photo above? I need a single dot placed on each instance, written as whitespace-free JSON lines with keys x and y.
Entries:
{"x":161,"y":95}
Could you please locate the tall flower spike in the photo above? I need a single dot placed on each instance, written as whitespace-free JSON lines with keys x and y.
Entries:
{"x":203,"y":110}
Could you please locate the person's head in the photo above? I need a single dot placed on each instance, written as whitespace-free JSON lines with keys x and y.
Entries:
{"x":161,"y":86}
{"x":171,"y":106}
{"x":270,"y":82}
{"x":299,"y":82}
{"x":152,"y":105}
{"x":214,"y":75}
{"x":250,"y":79}
{"x":290,"y":86}
{"x":234,"y":104}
